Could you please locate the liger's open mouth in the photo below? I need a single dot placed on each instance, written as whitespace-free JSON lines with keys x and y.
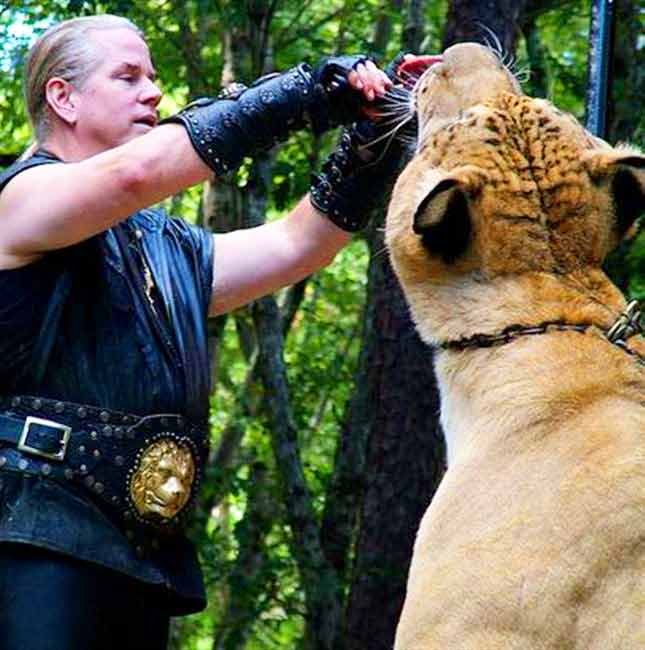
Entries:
{"x":413,"y":68}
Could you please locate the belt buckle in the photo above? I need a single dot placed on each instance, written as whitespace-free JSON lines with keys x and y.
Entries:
{"x":63,"y":441}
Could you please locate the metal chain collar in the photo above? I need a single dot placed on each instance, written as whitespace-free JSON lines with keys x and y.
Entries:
{"x":628,"y":324}
{"x":509,"y":334}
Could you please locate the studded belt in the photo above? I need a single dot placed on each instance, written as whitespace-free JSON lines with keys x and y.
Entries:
{"x":145,"y":470}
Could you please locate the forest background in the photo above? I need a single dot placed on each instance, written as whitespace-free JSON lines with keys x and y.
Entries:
{"x":326,"y":447}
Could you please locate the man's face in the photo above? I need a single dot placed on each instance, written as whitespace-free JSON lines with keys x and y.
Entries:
{"x":118,"y":101}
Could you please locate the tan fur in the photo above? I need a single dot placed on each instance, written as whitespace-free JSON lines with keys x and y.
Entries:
{"x":535,"y":539}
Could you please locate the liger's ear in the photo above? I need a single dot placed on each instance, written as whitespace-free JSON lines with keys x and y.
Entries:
{"x":624,"y":168}
{"x":443,"y":220}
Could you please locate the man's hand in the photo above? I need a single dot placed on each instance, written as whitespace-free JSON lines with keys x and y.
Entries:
{"x":372,"y":81}
{"x":369,"y":153}
{"x":403,"y":72}
{"x":375,"y":82}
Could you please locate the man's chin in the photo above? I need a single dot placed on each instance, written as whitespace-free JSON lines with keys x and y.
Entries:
{"x":139,"y":128}
{"x":136,"y":131}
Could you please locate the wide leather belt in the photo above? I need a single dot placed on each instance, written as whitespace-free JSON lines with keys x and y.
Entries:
{"x":145,"y":470}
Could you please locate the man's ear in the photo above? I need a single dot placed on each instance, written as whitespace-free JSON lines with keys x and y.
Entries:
{"x":444,"y":221}
{"x":624,"y":169}
{"x":61,"y":99}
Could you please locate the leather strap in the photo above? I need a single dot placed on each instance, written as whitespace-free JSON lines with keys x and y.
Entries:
{"x":97,"y":449}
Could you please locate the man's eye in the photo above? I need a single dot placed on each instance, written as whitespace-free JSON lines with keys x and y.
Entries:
{"x":127,"y":77}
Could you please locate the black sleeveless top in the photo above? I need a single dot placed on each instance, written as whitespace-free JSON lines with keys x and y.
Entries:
{"x":75,"y":326}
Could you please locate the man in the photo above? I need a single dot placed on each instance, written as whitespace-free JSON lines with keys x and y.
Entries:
{"x":104,"y":389}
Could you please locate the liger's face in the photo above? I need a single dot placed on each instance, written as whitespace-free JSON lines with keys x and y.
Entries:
{"x":118,"y":102}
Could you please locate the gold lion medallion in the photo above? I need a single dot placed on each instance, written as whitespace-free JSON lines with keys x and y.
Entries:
{"x":161,"y":485}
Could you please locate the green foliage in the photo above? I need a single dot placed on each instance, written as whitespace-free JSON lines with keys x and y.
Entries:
{"x":565,"y":37}
{"x":322,"y":346}
{"x":16,"y":34}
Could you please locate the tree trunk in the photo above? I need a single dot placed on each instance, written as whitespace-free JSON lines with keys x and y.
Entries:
{"x":247,"y":54}
{"x":318,"y":578}
{"x":383,"y":29}
{"x":413,"y":28}
{"x":405,"y":460}
{"x":626,"y":117}
{"x":248,"y":583}
{"x":405,"y":454}
{"x":482,"y":21}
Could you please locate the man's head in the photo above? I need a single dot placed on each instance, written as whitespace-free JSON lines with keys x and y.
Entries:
{"x":90,"y":83}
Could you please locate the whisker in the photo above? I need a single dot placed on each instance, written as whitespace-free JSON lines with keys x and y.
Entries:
{"x":496,"y":46}
{"x":408,"y":74}
{"x":407,"y":140}
{"x":396,"y":112}
{"x":396,"y":100}
{"x":380,"y":252}
{"x":392,"y":132}
{"x":396,"y":104}
{"x":391,"y":135}
{"x":507,"y":59}
{"x":408,"y":78}
{"x":397,"y":94}
{"x":391,"y":118}
{"x":490,"y":46}
{"x":523,"y":75}
{"x":395,"y":122}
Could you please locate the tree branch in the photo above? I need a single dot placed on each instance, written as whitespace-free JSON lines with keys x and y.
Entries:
{"x":293,"y":299}
{"x":313,"y":29}
{"x":294,"y":21}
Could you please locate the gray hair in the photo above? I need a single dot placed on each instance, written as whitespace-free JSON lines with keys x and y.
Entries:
{"x":64,"y":51}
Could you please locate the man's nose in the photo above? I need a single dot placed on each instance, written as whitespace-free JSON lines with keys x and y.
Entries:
{"x":151,"y":93}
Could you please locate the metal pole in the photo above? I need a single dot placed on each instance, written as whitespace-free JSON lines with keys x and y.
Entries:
{"x":600,"y":55}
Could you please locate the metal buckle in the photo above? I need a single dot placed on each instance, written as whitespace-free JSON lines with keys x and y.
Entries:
{"x":64,"y":439}
{"x":627,"y":324}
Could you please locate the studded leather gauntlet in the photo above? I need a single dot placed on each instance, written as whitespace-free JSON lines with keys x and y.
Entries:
{"x":359,"y":170}
{"x":242,"y":121}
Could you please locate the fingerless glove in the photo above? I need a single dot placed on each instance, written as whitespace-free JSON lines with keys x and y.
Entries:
{"x":357,"y":173}
{"x":243,"y":120}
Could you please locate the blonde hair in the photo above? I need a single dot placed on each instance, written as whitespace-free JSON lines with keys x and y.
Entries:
{"x":64,"y":51}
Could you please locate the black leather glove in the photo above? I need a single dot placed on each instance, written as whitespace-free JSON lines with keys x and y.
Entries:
{"x":362,"y":166}
{"x":244,"y":120}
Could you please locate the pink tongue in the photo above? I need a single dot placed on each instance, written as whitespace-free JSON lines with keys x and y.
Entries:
{"x":419,"y":64}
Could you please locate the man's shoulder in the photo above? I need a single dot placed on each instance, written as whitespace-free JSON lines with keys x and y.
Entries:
{"x":39,"y":158}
